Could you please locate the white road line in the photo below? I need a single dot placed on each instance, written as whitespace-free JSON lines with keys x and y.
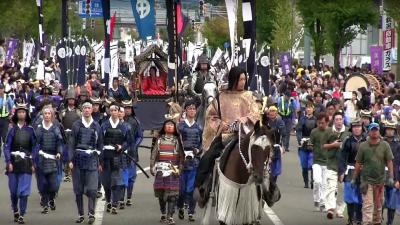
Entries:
{"x":99,"y":212}
{"x":272,"y":216}
{"x":145,"y":169}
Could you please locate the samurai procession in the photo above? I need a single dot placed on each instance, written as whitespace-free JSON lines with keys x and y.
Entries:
{"x":209,"y":112}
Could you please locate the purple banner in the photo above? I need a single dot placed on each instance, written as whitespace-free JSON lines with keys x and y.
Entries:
{"x":377,"y":59}
{"x":286,"y":63}
{"x":11,"y":47}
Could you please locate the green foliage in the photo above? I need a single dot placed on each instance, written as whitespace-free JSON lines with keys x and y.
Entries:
{"x":312,"y":19}
{"x":20,"y":19}
{"x":343,"y":20}
{"x":216,"y":31}
{"x":393,"y":9}
{"x":264,"y":21}
{"x":189,"y":34}
{"x":286,"y":26}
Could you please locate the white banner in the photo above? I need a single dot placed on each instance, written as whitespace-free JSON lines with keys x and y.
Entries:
{"x":98,"y":55}
{"x":231,"y":9}
{"x":138,"y":45}
{"x":387,"y":26}
{"x":129,"y":51}
{"x":217,"y":56}
{"x":28,"y":50}
{"x":190,"y":49}
{"x":114,"y":60}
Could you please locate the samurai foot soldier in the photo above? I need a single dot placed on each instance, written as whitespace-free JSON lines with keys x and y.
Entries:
{"x":116,"y":138}
{"x":392,"y":193}
{"x":166,"y":160}
{"x":18,"y":154}
{"x":69,"y":115}
{"x":304,"y":128}
{"x":352,"y":193}
{"x":86,"y":145}
{"x":137,"y":134}
{"x":49,"y":146}
{"x":191,"y":137}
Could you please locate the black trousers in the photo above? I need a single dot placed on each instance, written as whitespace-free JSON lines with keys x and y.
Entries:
{"x":4,"y":122}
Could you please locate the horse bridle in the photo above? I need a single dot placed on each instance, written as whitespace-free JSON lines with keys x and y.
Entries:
{"x":249,"y":165}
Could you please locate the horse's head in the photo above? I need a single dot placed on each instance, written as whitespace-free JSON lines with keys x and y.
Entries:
{"x":260,"y":145}
{"x":210,"y":91}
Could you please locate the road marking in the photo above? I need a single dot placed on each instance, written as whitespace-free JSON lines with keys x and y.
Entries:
{"x":145,"y":169}
{"x":272,"y":216}
{"x":99,"y":212}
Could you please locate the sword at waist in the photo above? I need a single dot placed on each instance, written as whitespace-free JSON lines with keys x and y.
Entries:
{"x":20,"y":154}
{"x":47,"y":155}
{"x":88,"y":151}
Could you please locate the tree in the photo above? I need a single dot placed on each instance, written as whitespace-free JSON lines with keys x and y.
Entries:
{"x":216,"y":31}
{"x":344,"y":20}
{"x":264,"y":21}
{"x":393,"y":9}
{"x":189,"y":34}
{"x":312,"y":17}
{"x":23,"y":19}
{"x":286,"y":26}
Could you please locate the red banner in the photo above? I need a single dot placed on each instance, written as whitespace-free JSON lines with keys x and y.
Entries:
{"x":388,"y":39}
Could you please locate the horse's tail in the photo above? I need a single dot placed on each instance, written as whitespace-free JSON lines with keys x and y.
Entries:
{"x":207,"y":213}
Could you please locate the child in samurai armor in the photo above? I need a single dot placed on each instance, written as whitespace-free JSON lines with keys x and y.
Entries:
{"x":18,"y":153}
{"x":166,"y":160}
{"x":191,"y":134}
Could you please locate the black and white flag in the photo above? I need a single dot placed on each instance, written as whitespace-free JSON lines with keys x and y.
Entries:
{"x":62,"y":60}
{"x":40,"y":67}
{"x":249,"y":24}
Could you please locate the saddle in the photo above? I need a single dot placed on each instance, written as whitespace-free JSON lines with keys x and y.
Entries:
{"x":203,"y":183}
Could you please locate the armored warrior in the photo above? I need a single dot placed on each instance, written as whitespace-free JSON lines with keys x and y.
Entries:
{"x":49,"y":147}
{"x":86,"y":144}
{"x":116,"y":139}
{"x":18,"y":153}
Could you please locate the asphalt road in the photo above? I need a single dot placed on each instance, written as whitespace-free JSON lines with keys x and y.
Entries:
{"x":295,"y":207}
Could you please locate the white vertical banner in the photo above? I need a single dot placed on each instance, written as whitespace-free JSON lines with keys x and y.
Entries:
{"x":388,"y":40}
{"x":114,"y":60}
{"x":98,"y":55}
{"x":231,"y":9}
{"x":217,"y":56}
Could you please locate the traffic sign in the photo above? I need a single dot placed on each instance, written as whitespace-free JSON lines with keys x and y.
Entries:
{"x":95,"y":9}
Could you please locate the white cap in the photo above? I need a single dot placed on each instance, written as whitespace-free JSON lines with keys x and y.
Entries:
{"x":396,"y":102}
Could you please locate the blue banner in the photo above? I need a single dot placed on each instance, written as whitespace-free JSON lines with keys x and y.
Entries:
{"x":144,"y":13}
{"x":96,"y":10}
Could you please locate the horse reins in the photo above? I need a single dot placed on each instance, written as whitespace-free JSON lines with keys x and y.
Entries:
{"x":249,"y":165}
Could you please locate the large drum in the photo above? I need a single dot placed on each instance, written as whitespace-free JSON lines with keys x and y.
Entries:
{"x":368,"y":81}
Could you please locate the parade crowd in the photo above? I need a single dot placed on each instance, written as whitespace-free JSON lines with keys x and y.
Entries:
{"x":348,"y":147}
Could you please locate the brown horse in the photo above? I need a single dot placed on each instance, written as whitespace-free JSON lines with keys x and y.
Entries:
{"x":239,"y":182}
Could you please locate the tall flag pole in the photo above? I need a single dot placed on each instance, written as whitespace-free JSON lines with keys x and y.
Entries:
{"x":107,"y":28}
{"x":61,"y":46}
{"x":249,"y":24}
{"x":171,"y":42}
{"x":40,"y":68}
